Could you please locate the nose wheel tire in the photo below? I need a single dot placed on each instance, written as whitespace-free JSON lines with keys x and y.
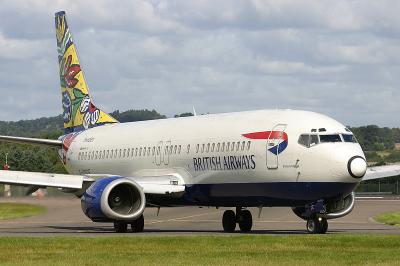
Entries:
{"x":138,"y":225}
{"x":245,"y":221}
{"x":229,"y":221}
{"x":120,"y":227}
{"x":317,"y":225}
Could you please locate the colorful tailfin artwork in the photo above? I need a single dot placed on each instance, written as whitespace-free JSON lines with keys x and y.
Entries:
{"x":79,"y":112}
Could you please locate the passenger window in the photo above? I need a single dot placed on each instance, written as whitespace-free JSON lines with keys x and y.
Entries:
{"x":171,"y":149}
{"x":233,"y":146}
{"x":218,"y":145}
{"x":140,"y":151}
{"x":175,"y":149}
{"x":248,"y":145}
{"x":197,"y":148}
{"x":243,"y":143}
{"x":212,"y":147}
{"x":144,"y":151}
{"x":136,"y":151}
{"x":120,"y":153}
{"x":208,"y":147}
{"x":202,"y":148}
{"x":108,"y":154}
{"x":148,"y":151}
{"x":227,"y":146}
{"x":128,"y":151}
{"x":179,"y":149}
{"x":223,"y":147}
{"x":154,"y":149}
{"x":188,"y":148}
{"x":123,"y":154}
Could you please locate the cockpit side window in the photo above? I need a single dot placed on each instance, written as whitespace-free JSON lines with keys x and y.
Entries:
{"x":349,"y":138}
{"x":330,"y":138}
{"x":314,"y":140}
{"x":308,"y":140}
{"x":304,"y":140}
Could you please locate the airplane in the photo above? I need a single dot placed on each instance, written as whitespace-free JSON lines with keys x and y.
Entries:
{"x":265,"y":158}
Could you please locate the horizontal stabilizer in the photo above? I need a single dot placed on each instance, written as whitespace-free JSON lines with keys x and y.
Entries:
{"x":21,"y":140}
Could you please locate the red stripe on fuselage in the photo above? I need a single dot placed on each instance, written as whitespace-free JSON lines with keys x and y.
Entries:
{"x":266,"y":135}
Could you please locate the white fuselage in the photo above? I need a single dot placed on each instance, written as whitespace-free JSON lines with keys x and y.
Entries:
{"x":196,"y":149}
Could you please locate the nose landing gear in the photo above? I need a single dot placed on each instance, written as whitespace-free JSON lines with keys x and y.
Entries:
{"x":242,"y":217}
{"x":317,"y":225}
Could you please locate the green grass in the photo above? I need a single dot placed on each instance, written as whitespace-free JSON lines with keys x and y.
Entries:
{"x":203,"y":250}
{"x":390,"y":218}
{"x":18,"y":210}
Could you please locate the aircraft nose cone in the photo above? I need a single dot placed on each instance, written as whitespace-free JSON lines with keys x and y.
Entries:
{"x":357,"y":166}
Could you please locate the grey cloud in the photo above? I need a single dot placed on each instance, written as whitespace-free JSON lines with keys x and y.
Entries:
{"x":340,"y":58}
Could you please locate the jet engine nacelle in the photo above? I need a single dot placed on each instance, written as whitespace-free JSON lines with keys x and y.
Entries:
{"x":113,"y":198}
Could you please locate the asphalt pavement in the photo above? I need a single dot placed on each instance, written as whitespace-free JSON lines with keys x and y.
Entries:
{"x":65,"y":218}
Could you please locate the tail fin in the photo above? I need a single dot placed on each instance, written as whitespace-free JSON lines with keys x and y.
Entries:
{"x":79,"y":111}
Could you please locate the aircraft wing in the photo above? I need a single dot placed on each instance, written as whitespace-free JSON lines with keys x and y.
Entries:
{"x":43,"y":179}
{"x":168,"y":184}
{"x":377,"y":172}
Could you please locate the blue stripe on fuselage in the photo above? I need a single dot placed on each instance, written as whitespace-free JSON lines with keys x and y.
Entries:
{"x":257,"y":194}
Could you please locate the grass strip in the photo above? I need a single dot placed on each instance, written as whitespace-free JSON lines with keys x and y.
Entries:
{"x":390,"y":218}
{"x":203,"y":250}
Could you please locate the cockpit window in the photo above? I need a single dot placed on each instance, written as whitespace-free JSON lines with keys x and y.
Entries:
{"x":308,"y":140}
{"x":330,"y":138}
{"x":314,"y":140}
{"x":349,"y":138}
{"x":304,"y":140}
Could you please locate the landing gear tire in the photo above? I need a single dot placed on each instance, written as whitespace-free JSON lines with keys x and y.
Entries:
{"x":245,"y":221}
{"x":324,"y":225}
{"x":138,"y":225}
{"x":229,"y":221}
{"x":120,"y":227}
{"x":317,"y":225}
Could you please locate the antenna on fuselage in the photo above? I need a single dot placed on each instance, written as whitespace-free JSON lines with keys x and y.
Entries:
{"x":194,"y":111}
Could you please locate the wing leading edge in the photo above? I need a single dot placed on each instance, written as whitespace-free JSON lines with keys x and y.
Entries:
{"x":381,"y":172}
{"x":160,"y":185}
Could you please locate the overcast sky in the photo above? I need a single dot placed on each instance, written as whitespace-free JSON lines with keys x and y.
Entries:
{"x":339,"y":58}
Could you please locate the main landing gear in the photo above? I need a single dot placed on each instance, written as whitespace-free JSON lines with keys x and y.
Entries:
{"x":317,"y":225}
{"x":136,"y":225}
{"x":242,"y":217}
